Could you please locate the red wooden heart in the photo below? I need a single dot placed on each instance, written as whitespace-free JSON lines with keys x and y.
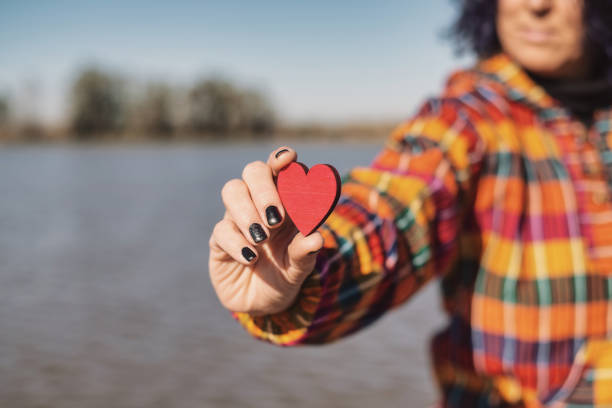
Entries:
{"x":309,"y":196}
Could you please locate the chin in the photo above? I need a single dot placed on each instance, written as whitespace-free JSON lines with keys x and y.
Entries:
{"x":543,"y":61}
{"x":543,"y":67}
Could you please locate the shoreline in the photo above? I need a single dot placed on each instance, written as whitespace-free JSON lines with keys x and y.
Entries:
{"x":331,"y":138}
{"x":309,"y":133}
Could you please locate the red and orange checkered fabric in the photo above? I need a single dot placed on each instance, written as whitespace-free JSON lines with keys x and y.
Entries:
{"x":495,"y":189}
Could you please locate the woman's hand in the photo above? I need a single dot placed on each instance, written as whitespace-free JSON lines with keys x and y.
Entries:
{"x":258,"y":259}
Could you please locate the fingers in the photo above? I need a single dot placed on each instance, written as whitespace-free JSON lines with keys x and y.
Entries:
{"x":259,"y":178}
{"x":260,"y":182}
{"x":254,"y":198}
{"x":303,"y":250}
{"x":242,"y":211}
{"x":280,"y":158}
{"x":230,"y":240}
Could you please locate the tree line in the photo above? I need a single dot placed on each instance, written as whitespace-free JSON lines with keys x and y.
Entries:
{"x":103,"y":104}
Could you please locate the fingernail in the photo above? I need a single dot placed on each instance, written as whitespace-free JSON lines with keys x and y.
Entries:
{"x":248,"y":254}
{"x":280,"y":152}
{"x":257,"y":233}
{"x":273,"y":215}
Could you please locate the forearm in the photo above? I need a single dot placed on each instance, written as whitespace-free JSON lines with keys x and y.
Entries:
{"x":394,"y":228}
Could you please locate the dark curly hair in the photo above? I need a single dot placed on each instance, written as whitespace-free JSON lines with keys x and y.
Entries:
{"x":475,"y":30}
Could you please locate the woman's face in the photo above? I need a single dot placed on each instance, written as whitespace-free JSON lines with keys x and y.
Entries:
{"x":544,"y":36}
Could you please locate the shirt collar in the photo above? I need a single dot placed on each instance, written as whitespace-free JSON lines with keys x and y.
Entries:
{"x":514,"y":82}
{"x":503,"y":73}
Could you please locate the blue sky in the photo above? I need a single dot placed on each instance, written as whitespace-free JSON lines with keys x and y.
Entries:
{"x":318,"y":60}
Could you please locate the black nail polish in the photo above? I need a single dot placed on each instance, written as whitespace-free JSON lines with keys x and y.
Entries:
{"x":248,"y":254}
{"x":257,"y":233}
{"x":280,"y":152}
{"x":273,"y":215}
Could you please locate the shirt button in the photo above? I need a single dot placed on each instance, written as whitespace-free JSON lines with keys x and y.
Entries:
{"x":599,"y":197}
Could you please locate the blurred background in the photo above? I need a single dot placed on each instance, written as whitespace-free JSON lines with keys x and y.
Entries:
{"x":119,"y":124}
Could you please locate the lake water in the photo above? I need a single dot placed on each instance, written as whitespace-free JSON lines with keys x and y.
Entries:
{"x":105,"y":299}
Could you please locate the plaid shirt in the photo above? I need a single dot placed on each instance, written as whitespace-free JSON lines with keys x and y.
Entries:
{"x":497,"y":190}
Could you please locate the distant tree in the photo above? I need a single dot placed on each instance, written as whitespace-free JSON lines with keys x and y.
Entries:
{"x":257,"y":114}
{"x":4,"y":111}
{"x":216,"y":106}
{"x":4,"y":117}
{"x":97,"y":103}
{"x":155,"y":110}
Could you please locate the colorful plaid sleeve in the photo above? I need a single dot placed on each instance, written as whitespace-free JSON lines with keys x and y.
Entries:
{"x":395,"y":227}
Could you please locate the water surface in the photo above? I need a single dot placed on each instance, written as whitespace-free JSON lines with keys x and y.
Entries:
{"x":105,"y":299}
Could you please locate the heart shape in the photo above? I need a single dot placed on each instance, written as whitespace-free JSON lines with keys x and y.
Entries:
{"x":309,"y":196}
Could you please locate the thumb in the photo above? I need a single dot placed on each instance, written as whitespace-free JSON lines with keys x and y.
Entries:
{"x":302,"y":252}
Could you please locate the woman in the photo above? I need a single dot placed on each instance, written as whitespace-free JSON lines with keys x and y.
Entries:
{"x":500,"y":187}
